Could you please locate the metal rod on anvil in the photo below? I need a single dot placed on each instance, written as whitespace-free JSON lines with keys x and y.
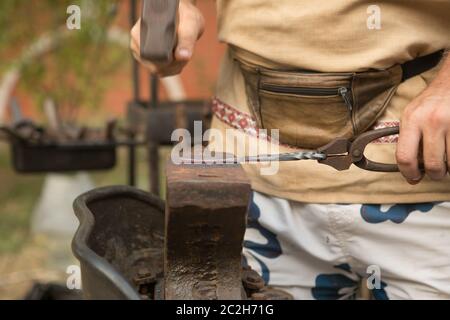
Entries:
{"x":230,"y":160}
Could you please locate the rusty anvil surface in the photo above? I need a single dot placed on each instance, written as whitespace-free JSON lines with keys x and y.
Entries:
{"x":206,"y":212}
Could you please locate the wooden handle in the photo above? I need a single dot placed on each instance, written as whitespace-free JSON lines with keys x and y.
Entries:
{"x":159,"y":19}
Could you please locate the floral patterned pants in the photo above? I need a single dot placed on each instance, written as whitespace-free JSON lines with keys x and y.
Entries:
{"x":329,"y":251}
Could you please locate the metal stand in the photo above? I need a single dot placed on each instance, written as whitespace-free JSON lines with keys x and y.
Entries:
{"x":153,"y":154}
{"x":136,"y":95}
{"x":152,"y":146}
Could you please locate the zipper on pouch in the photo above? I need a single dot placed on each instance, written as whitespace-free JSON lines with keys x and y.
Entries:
{"x":319,"y":92}
{"x":344,"y":92}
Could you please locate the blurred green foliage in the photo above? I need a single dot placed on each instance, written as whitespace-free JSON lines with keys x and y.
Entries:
{"x":75,"y":73}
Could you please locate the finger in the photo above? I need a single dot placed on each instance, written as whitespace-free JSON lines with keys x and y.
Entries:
{"x":136,"y":34}
{"x":407,"y":153}
{"x":149,"y":66}
{"x":434,"y":153}
{"x":189,"y":31}
{"x":134,"y":46}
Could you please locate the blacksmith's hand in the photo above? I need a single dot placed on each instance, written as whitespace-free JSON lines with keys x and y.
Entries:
{"x":425,"y":128}
{"x":190,"y":28}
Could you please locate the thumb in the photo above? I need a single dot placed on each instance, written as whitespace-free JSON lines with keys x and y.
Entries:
{"x":189,"y":31}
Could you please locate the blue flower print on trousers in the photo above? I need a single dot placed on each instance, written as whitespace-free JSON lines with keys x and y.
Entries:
{"x":270,"y":249}
{"x":398,"y":213}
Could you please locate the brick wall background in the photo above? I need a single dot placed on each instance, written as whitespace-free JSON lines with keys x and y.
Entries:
{"x":198,"y":77}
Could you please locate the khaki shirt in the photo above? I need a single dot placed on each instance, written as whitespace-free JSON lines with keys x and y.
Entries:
{"x":334,"y":35}
{"x":330,"y":36}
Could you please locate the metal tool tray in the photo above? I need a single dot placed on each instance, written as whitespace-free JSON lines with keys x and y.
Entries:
{"x":30,"y":157}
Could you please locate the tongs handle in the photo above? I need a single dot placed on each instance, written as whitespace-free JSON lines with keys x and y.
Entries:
{"x":159,"y":20}
{"x":359,"y":144}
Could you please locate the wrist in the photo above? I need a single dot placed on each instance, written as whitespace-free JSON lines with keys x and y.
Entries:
{"x":443,"y":74}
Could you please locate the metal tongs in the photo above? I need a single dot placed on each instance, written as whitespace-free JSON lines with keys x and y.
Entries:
{"x":340,"y":154}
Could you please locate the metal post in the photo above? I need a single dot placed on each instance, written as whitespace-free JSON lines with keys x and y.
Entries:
{"x":136,"y":98}
{"x":153,"y":146}
{"x":135,"y":65}
{"x":154,"y":89}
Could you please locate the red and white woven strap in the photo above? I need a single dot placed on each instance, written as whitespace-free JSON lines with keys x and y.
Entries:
{"x":246,"y":123}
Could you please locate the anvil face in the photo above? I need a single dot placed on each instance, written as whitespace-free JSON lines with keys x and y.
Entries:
{"x":206,"y":213}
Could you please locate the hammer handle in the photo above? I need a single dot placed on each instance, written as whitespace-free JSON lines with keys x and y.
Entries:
{"x":159,"y":19}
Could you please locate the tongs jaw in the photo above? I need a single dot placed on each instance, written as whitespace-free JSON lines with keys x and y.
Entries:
{"x":337,"y":155}
{"x":342,"y":153}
